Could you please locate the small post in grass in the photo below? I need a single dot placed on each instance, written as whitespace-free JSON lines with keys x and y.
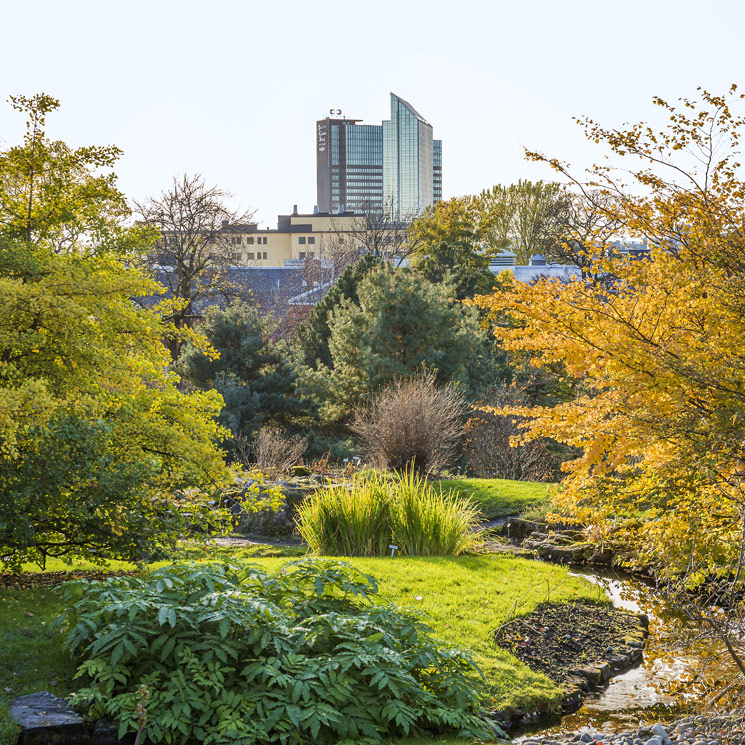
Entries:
{"x":393,"y":548}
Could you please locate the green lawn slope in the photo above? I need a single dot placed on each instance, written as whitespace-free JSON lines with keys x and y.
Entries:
{"x":499,"y":497}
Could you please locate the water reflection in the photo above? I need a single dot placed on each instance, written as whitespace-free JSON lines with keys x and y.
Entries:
{"x":673,"y":677}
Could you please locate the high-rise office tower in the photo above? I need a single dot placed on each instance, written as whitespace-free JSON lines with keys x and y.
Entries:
{"x":394,"y":167}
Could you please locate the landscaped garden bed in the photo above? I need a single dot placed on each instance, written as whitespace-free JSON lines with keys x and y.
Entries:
{"x":465,"y":599}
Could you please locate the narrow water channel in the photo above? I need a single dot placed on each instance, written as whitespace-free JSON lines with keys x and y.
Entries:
{"x":663,"y":686}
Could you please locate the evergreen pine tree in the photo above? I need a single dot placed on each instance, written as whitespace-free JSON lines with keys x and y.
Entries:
{"x":312,"y":337}
{"x":254,"y":373}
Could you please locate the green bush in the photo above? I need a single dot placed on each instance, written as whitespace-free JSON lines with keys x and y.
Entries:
{"x":228,"y":653}
{"x":377,"y":511}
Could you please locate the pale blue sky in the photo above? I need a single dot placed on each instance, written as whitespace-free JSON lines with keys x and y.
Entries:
{"x":233,"y":89}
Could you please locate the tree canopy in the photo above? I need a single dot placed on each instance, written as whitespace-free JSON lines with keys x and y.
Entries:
{"x":660,"y":348}
{"x":400,"y":325}
{"x":254,"y":372}
{"x":98,"y":447}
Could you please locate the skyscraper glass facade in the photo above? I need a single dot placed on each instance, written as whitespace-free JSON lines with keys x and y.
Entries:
{"x":395,"y":167}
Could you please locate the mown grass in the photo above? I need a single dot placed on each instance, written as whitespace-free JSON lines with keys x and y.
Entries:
{"x":32,"y":655}
{"x":499,"y":497}
{"x":465,"y":598}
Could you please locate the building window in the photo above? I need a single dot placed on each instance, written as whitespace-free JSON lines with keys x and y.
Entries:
{"x":265,"y":241}
{"x":250,"y":241}
{"x":301,"y":254}
{"x":301,"y":240}
{"x":311,"y":254}
{"x":311,"y":240}
{"x":264,"y":255}
{"x":250,"y":256}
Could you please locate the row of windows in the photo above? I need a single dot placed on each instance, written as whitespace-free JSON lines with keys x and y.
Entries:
{"x":306,"y":254}
{"x":237,"y":240}
{"x":301,"y":240}
{"x":259,"y":255}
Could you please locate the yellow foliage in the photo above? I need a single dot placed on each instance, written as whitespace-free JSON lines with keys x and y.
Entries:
{"x":659,"y":344}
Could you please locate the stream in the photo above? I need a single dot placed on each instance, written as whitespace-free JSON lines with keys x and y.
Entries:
{"x":662,"y":687}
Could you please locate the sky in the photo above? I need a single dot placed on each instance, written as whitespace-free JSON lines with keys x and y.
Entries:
{"x":232,"y":90}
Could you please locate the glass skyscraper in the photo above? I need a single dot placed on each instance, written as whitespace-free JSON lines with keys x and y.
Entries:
{"x":393,"y":168}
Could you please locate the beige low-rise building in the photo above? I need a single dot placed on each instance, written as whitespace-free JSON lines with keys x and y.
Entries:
{"x":297,"y":237}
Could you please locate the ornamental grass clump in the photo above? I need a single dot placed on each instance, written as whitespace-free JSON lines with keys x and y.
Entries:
{"x":375,"y":513}
{"x":337,"y":521}
{"x":428,"y":522}
{"x":228,"y":653}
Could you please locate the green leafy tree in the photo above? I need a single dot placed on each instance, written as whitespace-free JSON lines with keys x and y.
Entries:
{"x":98,"y":447}
{"x":449,"y":247}
{"x":253,"y":373}
{"x":525,"y":217}
{"x":64,"y":197}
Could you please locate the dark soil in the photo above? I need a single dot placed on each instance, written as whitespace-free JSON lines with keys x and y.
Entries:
{"x":557,"y":639}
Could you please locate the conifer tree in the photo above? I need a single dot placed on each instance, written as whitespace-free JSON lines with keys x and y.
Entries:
{"x":253,"y":373}
{"x":313,"y":336}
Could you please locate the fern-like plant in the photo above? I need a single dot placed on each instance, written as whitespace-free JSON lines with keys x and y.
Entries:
{"x":226,"y":654}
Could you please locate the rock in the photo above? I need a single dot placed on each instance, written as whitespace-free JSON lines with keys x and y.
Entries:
{"x":46,"y":719}
{"x":105,"y":732}
{"x":660,"y":731}
{"x":516,"y":527}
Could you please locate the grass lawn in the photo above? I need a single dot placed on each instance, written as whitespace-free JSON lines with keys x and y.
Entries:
{"x":464,"y":597}
{"x":499,"y":497}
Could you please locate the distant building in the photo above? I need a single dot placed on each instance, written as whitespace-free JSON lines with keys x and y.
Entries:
{"x":395,"y":166}
{"x":297,"y":237}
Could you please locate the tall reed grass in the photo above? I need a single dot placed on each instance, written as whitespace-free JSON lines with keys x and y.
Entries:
{"x":375,"y":512}
{"x":428,"y":522}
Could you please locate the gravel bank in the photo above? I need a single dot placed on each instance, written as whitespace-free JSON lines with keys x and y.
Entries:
{"x":725,"y":729}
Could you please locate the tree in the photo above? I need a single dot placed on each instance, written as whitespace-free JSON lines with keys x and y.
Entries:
{"x":488,"y":444}
{"x":195,"y":246}
{"x":253,"y":373}
{"x":523,"y":217}
{"x":312,"y":337}
{"x":401,"y":324}
{"x":64,"y":197}
{"x":378,"y":232}
{"x":587,"y":226}
{"x":659,"y":350}
{"x":100,"y":453}
{"x":449,"y":246}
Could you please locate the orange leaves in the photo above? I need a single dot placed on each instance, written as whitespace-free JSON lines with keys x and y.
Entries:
{"x":658,"y":344}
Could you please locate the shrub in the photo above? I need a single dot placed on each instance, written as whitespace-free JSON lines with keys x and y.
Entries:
{"x":273,"y":451}
{"x":412,"y":422}
{"x":377,"y":511}
{"x":488,"y":436}
{"x":228,"y":653}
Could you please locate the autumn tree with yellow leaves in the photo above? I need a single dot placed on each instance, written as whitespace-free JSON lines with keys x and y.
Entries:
{"x":659,"y":344}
